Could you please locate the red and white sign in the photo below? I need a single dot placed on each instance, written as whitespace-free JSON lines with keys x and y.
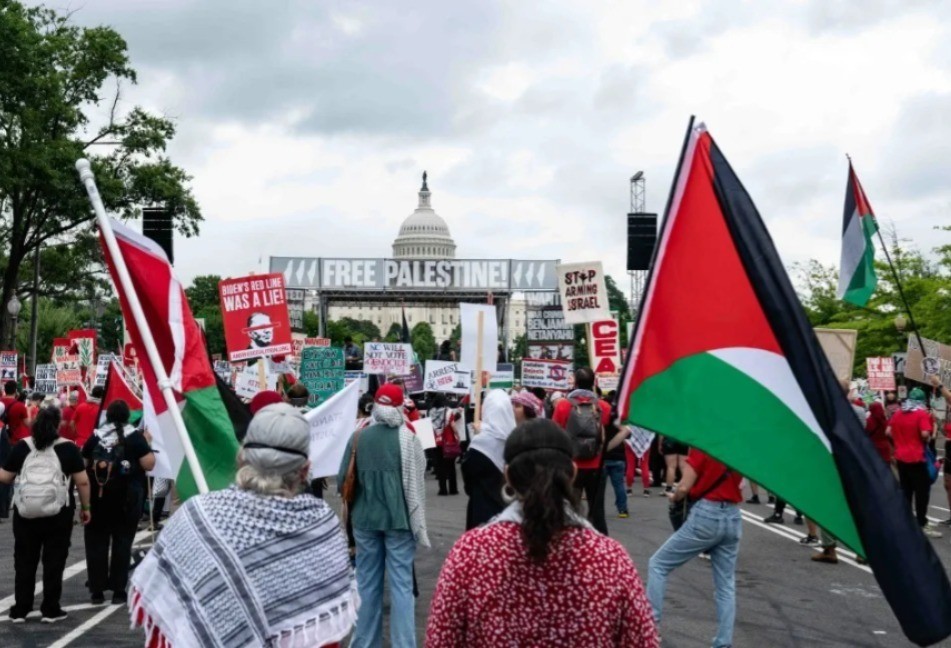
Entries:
{"x":604,"y":347}
{"x":256,"y":321}
{"x":387,"y":358}
{"x":881,"y":374}
{"x":301,"y":343}
{"x":8,"y":366}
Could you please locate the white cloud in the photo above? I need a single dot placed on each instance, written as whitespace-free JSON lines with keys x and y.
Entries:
{"x":306,"y":125}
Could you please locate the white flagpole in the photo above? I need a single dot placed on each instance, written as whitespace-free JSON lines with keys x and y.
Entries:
{"x":87,"y":178}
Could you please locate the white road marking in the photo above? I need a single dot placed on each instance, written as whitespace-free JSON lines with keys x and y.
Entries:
{"x":86,"y":627}
{"x":68,"y":573}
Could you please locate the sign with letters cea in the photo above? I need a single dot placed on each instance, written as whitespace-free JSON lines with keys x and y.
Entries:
{"x":604,"y":346}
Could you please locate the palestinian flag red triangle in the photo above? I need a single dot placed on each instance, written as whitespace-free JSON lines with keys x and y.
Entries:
{"x":725,"y":360}
{"x":117,"y":388}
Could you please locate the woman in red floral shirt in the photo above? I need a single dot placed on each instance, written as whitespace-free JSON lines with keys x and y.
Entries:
{"x":539,"y":574}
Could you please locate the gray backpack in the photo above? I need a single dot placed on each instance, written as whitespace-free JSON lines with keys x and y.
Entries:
{"x":584,"y":427}
{"x":42,"y":488}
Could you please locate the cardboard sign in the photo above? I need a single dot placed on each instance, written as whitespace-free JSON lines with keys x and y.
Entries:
{"x":839,"y":347}
{"x":470,"y":351}
{"x":549,"y":337}
{"x":547,"y":374}
{"x":425,"y":433}
{"x":254,"y":312}
{"x":46,"y":379}
{"x":84,"y":340}
{"x":447,"y":377}
{"x":604,"y":346}
{"x":224,"y":370}
{"x":940,"y":353}
{"x":295,"y":308}
{"x":8,"y":366}
{"x":247,"y":383}
{"x":387,"y":358}
{"x":584,"y":296}
{"x":881,"y":374}
{"x":322,"y":372}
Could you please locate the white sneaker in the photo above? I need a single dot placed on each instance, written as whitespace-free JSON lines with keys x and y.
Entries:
{"x":931,"y":532}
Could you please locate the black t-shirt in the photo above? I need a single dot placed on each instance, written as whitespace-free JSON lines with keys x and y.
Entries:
{"x":135,"y":447}
{"x":70,"y":460}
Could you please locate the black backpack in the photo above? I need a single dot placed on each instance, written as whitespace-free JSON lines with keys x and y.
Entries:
{"x":584,"y":427}
{"x":110,"y":469}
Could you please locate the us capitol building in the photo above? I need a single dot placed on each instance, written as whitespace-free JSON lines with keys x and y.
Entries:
{"x":425,"y":235}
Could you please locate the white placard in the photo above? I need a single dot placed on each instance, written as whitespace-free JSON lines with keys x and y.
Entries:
{"x":424,"y":432}
{"x":469,"y":319}
{"x":331,"y":426}
{"x":387,"y":358}
{"x":447,"y":377}
{"x":584,"y":295}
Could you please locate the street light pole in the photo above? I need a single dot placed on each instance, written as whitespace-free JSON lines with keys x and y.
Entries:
{"x":13,"y":307}
{"x":35,"y":311}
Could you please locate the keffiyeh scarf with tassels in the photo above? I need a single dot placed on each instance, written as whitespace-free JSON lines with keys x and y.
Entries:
{"x":235,"y":569}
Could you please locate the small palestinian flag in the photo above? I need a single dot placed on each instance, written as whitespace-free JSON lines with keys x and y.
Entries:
{"x":857,"y":278}
{"x":721,"y":329}
{"x":117,"y":388}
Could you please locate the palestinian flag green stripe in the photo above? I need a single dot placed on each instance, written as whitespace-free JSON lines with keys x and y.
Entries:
{"x":212,"y":435}
{"x":736,"y":418}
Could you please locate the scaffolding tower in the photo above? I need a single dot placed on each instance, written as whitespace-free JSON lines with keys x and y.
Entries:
{"x":638,"y":206}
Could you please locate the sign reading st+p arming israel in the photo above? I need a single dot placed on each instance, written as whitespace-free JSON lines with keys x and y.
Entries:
{"x":443,"y":275}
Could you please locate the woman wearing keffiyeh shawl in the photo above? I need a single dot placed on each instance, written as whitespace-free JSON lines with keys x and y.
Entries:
{"x":258,"y":564}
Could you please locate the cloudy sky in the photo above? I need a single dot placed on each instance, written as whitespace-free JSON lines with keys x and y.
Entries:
{"x":307,"y":124}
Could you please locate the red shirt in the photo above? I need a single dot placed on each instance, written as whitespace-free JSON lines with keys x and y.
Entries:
{"x":586,"y":593}
{"x":906,"y":430}
{"x":708,"y":471}
{"x":560,"y":416}
{"x":65,"y":429}
{"x":17,"y":416}
{"x":85,"y":419}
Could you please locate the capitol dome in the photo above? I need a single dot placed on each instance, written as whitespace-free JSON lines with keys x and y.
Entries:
{"x":424,"y":234}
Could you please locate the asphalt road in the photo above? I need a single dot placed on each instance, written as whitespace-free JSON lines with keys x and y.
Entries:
{"x":783,"y":598}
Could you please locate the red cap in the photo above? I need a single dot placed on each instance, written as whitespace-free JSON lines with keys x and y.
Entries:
{"x":389,"y":395}
{"x":263,"y":399}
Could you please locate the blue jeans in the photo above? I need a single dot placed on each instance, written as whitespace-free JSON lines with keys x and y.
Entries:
{"x":395,"y":550}
{"x":712,"y":527}
{"x":615,"y":469}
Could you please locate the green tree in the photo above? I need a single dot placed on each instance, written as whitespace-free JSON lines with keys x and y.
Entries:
{"x":618,"y":303}
{"x":203,"y":292}
{"x":361,"y":330}
{"x":53,"y":321}
{"x":55,"y":77}
{"x":424,"y":342}
{"x":214,"y":329}
{"x":394,"y":334}
{"x":311,"y":324}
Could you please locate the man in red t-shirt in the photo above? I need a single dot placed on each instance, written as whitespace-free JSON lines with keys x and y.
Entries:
{"x":84,"y":418}
{"x":714,"y":526}
{"x":911,"y":428}
{"x":591,"y":478}
{"x":67,"y":429}
{"x":16,"y":413}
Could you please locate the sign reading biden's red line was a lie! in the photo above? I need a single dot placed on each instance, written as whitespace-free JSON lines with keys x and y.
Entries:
{"x":584,"y":296}
{"x":256,"y":321}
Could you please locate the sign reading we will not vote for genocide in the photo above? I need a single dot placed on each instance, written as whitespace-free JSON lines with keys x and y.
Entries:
{"x":256,"y":321}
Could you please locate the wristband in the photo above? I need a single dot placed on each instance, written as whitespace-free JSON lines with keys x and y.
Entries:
{"x":85,"y":507}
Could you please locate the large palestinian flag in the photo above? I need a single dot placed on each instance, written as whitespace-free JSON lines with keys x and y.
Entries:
{"x":857,"y":278}
{"x":181,"y":350}
{"x":725,"y":360}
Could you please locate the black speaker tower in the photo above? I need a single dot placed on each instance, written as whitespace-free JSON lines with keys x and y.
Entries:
{"x":157,"y":225}
{"x":641,"y":239}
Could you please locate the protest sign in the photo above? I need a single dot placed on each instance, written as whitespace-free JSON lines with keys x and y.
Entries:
{"x":387,"y":358}
{"x":223,"y":369}
{"x":941,"y":360}
{"x":45,"y":377}
{"x":299,"y":343}
{"x":881,"y":374}
{"x":584,"y":296}
{"x":61,"y":348}
{"x":68,"y":372}
{"x":413,"y":381}
{"x":84,"y":342}
{"x":8,"y":365}
{"x":608,"y":382}
{"x":129,"y":357}
{"x":547,"y":374}
{"x":471,"y":351}
{"x":604,"y":347}
{"x":322,"y":372}
{"x":254,"y":313}
{"x":331,"y":426}
{"x":839,"y":347}
{"x":102,"y":368}
{"x":425,"y":433}
{"x":447,"y":377}
{"x":247,"y":382}
{"x":295,"y":308}
{"x":504,"y":376}
{"x":363,"y":380}
{"x":548,"y":336}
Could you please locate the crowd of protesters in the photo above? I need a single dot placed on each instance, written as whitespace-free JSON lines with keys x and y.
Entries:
{"x":534,"y":467}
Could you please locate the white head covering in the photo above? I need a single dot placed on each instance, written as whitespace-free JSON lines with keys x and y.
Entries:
{"x":498,"y":421}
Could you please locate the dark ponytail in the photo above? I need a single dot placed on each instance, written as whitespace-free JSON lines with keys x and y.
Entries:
{"x":118,"y":414}
{"x":538,"y":457}
{"x":45,"y":429}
